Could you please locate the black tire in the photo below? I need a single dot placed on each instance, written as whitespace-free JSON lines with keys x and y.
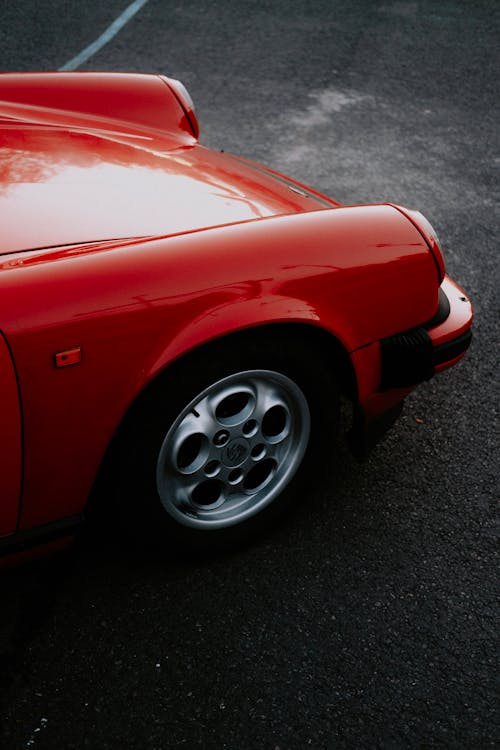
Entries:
{"x":218,"y":447}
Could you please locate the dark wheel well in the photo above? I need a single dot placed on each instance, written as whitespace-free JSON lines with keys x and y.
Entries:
{"x":321,"y":344}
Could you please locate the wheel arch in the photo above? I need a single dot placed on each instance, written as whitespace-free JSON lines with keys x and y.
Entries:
{"x":317,"y":339}
{"x":313,"y":339}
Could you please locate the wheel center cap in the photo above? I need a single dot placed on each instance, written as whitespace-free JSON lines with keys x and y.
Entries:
{"x":235,"y":452}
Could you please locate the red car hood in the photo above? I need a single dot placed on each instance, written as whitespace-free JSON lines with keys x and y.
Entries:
{"x":62,"y":186}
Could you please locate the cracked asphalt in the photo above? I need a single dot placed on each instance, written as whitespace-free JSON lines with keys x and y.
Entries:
{"x":369,"y":619}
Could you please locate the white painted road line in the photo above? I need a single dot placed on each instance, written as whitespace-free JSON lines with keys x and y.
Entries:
{"x":106,"y":36}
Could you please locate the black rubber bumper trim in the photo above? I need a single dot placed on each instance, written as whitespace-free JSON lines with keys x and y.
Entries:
{"x":407,"y":358}
{"x":410,"y":358}
{"x":50,"y":532}
{"x":442,"y":313}
{"x":451,"y":349}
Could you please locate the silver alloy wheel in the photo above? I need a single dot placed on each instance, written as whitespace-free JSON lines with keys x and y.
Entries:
{"x":233,"y":449}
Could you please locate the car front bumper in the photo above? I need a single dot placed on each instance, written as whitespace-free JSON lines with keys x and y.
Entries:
{"x":410,"y":357}
{"x":403,"y":361}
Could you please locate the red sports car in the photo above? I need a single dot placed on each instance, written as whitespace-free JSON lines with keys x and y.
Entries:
{"x":178,"y":325}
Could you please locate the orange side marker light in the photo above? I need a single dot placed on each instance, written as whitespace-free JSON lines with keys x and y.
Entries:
{"x":68,"y":357}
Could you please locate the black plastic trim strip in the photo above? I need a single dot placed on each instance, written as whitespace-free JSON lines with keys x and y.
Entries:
{"x":50,"y":532}
{"x":442,"y":313}
{"x":407,"y":358}
{"x":451,"y":349}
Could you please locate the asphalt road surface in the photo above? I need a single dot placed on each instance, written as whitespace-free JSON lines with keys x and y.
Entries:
{"x":367,"y":620}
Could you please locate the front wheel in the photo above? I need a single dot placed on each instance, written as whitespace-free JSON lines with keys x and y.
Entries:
{"x":233,"y":449}
{"x":221,"y":445}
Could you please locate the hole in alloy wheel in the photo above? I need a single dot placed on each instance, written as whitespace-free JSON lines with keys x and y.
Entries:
{"x":207,"y":493}
{"x":189,"y":450}
{"x":212,"y":468}
{"x":250,"y":428}
{"x":274,"y":421}
{"x":258,"y":451}
{"x":234,"y":476}
{"x":259,"y":474}
{"x":232,"y":406}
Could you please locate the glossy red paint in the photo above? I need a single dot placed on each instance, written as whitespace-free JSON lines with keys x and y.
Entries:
{"x":185,"y":101}
{"x":428,"y":233}
{"x":142,"y":245}
{"x":51,"y":176}
{"x":123,"y":102}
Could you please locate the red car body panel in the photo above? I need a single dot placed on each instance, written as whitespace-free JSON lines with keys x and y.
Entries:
{"x":131,"y":318}
{"x":130,"y":242}
{"x":51,"y":176}
{"x":10,"y":441}
{"x":124,"y":103}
